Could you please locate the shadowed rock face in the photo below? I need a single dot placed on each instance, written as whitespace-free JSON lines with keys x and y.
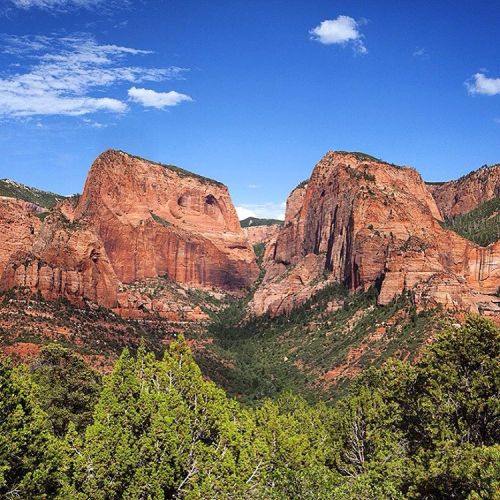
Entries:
{"x":136,"y":220}
{"x":364,"y":222}
{"x":467,"y":193}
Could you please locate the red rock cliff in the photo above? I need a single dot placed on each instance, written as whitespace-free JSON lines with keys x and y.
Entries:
{"x":364,"y":222}
{"x":18,"y":227}
{"x":261,"y":234}
{"x":468,"y":192}
{"x":135,"y":221}
{"x":157,"y":220}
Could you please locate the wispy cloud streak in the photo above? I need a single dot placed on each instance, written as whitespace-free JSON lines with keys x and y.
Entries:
{"x":62,"y":75}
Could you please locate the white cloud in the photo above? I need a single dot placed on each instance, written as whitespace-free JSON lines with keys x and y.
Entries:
{"x":159,"y":100}
{"x":497,"y":120}
{"x":94,"y":124}
{"x":341,"y":31}
{"x":244,"y":213}
{"x":62,"y":5}
{"x":270,"y":210}
{"x":63,"y":72}
{"x":420,"y":52}
{"x":481,"y":84}
{"x":253,"y":186}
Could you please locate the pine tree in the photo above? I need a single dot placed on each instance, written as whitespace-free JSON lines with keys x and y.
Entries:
{"x":32,"y":460}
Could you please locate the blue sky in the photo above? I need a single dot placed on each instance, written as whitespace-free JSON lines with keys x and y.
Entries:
{"x":252,"y":92}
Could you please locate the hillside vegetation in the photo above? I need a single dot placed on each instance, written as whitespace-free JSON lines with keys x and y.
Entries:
{"x":17,"y":190}
{"x":158,"y":429}
{"x":315,"y":350}
{"x":481,"y":225}
{"x":255,"y":221}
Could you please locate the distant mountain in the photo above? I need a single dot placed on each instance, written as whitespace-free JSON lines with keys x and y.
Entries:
{"x":255,"y":221}
{"x":481,"y":225}
{"x":13,"y":189}
{"x":467,"y":193}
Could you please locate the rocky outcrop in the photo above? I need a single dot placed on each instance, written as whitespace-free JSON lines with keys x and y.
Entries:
{"x":261,"y":234}
{"x":157,"y":220}
{"x":19,"y":226}
{"x":66,"y":260}
{"x":366,"y":223}
{"x":136,"y":221}
{"x":467,"y":193}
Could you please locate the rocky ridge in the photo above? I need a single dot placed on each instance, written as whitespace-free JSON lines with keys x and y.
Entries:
{"x":467,"y":193}
{"x":137,"y":238}
{"x":363,"y":222}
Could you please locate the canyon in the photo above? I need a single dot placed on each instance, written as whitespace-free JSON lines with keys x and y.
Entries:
{"x":143,"y":235}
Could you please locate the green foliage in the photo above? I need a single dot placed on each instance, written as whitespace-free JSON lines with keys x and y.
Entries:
{"x":255,"y":221}
{"x":361,"y":156}
{"x":160,"y":220}
{"x":259,"y":249}
{"x":160,"y":430}
{"x":301,"y":185}
{"x":17,"y":190}
{"x":32,"y":461}
{"x":481,"y":225}
{"x":263,"y":356}
{"x":67,"y":388}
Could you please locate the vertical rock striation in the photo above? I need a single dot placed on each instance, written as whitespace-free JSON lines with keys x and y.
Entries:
{"x":363,"y":222}
{"x":135,"y":221}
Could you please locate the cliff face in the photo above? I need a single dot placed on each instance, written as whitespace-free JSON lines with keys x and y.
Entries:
{"x":18,"y":227}
{"x":64,"y":261}
{"x":137,"y":222}
{"x":261,"y":234}
{"x":155,"y":221}
{"x":364,"y":222}
{"x":467,"y":193}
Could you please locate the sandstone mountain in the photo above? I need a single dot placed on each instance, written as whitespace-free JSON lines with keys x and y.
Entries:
{"x":143,"y":234}
{"x":140,"y":233}
{"x":363,"y":222}
{"x":260,"y":230}
{"x":467,"y":193}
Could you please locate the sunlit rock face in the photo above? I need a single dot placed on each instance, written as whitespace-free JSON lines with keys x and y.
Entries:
{"x":467,"y":193}
{"x":135,"y":221}
{"x":363,"y":222}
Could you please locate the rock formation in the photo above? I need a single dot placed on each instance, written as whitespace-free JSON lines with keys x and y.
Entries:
{"x":136,"y":222}
{"x":261,"y":234}
{"x":367,"y":223}
{"x":143,"y":234}
{"x":467,"y":193}
{"x":18,"y":227}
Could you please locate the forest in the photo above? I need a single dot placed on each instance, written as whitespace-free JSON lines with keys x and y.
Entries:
{"x":155,"y":428}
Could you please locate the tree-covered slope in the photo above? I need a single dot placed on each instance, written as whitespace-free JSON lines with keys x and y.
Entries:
{"x":17,"y":190}
{"x":317,"y":349}
{"x":255,"y":221}
{"x":156,"y":428}
{"x":481,"y":225}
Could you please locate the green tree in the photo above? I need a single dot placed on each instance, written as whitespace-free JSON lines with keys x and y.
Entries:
{"x":68,"y":388}
{"x":456,"y":414}
{"x":32,"y":460}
